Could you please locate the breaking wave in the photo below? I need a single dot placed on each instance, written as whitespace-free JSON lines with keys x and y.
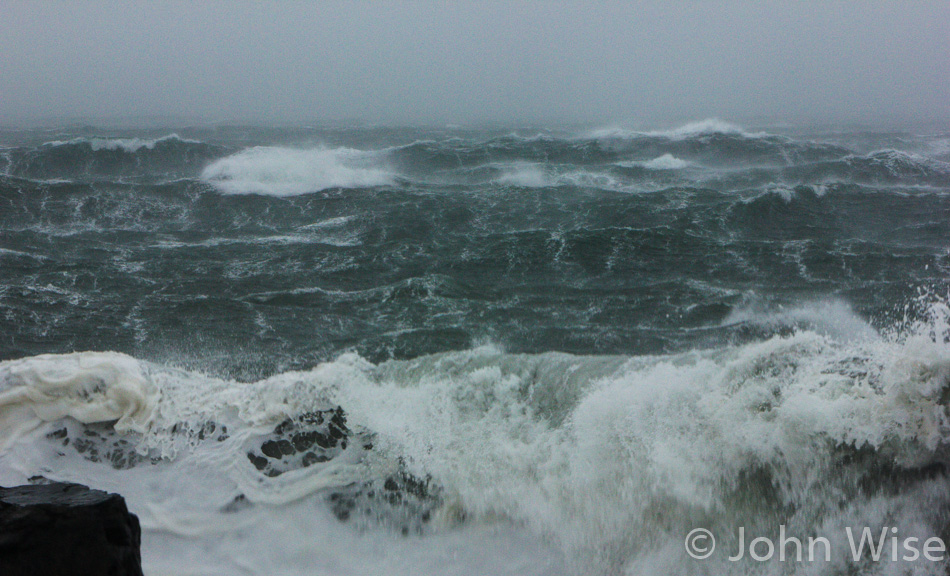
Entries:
{"x":289,"y":171}
{"x":699,"y":128}
{"x":703,"y":128}
{"x":611,"y":459}
{"x":664,"y":162}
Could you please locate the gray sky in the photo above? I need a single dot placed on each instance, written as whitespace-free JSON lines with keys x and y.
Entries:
{"x":442,"y":62}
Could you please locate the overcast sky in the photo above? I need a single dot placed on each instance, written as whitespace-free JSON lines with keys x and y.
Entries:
{"x":466,"y":62}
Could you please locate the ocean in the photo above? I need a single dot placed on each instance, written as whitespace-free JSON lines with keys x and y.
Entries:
{"x":476,"y":351}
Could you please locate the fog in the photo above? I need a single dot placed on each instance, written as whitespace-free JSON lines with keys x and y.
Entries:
{"x":475,"y":62}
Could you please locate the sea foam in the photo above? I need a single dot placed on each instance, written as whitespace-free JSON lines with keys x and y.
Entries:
{"x":277,"y":171}
{"x":666,"y":162}
{"x":607,"y":461}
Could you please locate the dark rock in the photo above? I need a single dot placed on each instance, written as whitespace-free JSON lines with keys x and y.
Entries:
{"x":258,"y":462}
{"x":323,"y":441}
{"x":305,"y":440}
{"x":309,"y":459}
{"x":99,"y":442}
{"x":271,"y":449}
{"x":67,"y":530}
{"x":400,"y":501}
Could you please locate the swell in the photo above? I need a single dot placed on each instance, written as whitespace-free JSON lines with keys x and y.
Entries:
{"x":277,"y":282}
{"x":709,"y":154}
{"x":102,"y":158}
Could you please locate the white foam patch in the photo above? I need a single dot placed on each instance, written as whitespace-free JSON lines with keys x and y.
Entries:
{"x":278,"y":171}
{"x":88,"y":387}
{"x":666,"y":162}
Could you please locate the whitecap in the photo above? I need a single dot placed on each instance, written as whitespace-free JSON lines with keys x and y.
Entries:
{"x":524,"y":175}
{"x":275,"y":171}
{"x":130,"y":145}
{"x":664,"y":162}
{"x":702,"y":128}
{"x":705,"y":127}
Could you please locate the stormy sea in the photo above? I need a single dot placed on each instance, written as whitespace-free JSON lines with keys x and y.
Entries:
{"x":523,"y":351}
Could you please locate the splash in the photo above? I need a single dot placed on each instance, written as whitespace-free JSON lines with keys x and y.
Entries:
{"x":611,"y":459}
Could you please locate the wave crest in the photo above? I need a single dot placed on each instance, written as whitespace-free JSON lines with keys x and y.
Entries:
{"x":288,"y":171}
{"x":168,"y":157}
{"x":130,"y":145}
{"x":689,"y":130}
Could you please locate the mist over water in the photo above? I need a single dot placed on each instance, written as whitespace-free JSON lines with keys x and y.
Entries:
{"x":645,"y":64}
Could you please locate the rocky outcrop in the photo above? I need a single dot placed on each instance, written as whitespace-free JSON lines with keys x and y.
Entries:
{"x":67,"y":530}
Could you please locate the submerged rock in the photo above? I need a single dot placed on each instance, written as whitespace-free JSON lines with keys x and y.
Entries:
{"x":65,"y":530}
{"x":400,"y":501}
{"x":311,"y":438}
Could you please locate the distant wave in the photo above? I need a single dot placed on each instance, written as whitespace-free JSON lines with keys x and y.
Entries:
{"x":168,"y":157}
{"x":882,"y":166}
{"x":277,"y":171}
{"x":664,"y":162}
{"x":130,"y":145}
{"x":528,"y":175}
{"x":703,"y":127}
{"x":901,"y":164}
{"x":689,"y":130}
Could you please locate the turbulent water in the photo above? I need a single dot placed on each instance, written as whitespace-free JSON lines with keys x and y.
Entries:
{"x":309,"y":351}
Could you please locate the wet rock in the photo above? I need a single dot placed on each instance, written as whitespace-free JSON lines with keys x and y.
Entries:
{"x":67,"y":530}
{"x":401,"y":502}
{"x":307,"y":439}
{"x":271,"y":450}
{"x":100,"y":442}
